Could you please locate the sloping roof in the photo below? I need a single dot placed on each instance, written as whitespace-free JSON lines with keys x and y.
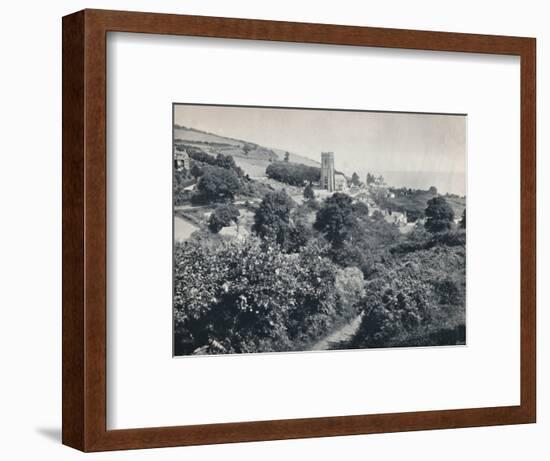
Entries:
{"x":181,"y":155}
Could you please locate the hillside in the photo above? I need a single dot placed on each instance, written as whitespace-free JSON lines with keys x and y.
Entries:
{"x":414,"y":202}
{"x":251,"y":157}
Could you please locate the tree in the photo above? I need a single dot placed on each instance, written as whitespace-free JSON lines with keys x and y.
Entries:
{"x":222,"y":217}
{"x":370,"y":179}
{"x":220,"y":160}
{"x":295,"y":174}
{"x":272,"y":218}
{"x":287,"y":157}
{"x":463,"y":220}
{"x":432,"y":190}
{"x":309,"y":194}
{"x":196,"y":171}
{"x":218,"y":185}
{"x":360,"y":209}
{"x":228,"y":162}
{"x":336,"y":218}
{"x":439,"y":215}
{"x":355,"y":179}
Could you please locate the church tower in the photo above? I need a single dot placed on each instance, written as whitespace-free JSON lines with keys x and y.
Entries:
{"x":327,"y":171}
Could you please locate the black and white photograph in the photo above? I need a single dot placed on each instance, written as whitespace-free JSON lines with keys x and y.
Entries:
{"x":300,"y":229}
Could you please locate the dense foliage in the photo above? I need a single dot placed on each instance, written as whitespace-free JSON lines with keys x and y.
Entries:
{"x":417,"y":299}
{"x":294,"y":174}
{"x":336,"y":218}
{"x":243,"y":297}
{"x":220,"y":160}
{"x":462,"y":222}
{"x":223,"y":216}
{"x":272,"y":218}
{"x":217,"y":185}
{"x":309,"y":194}
{"x":439,"y":215}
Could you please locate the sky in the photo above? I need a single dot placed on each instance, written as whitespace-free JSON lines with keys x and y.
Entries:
{"x":391,"y":143}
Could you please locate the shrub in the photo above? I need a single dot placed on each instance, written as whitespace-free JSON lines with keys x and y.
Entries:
{"x":361,"y":209}
{"x":439,"y":215}
{"x":299,"y":235}
{"x":350,"y":289}
{"x":244,"y":297}
{"x":415,"y":299}
{"x":309,"y":194}
{"x":222,"y":217}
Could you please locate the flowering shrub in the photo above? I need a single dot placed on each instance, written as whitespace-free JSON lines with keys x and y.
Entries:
{"x":246,"y":297}
{"x":416,"y":300}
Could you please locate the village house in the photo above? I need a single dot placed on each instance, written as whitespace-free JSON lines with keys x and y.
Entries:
{"x":181,"y":160}
{"x":340,"y":182}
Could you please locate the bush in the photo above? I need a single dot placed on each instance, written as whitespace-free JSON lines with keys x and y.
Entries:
{"x":361,"y":209}
{"x":309,"y":194}
{"x":244,"y":297}
{"x":298,"y":236}
{"x":350,"y":289}
{"x":223,"y":216}
{"x":314,"y":204}
{"x":415,"y":300}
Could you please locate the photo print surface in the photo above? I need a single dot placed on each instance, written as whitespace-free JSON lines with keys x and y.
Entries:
{"x":314,"y":229}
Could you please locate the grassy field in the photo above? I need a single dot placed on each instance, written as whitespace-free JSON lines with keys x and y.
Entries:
{"x":253,"y":167}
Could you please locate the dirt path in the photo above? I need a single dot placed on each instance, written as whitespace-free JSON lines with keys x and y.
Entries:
{"x":343,"y":333}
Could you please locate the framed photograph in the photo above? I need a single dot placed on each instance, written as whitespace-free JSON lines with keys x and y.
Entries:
{"x":279,"y":230}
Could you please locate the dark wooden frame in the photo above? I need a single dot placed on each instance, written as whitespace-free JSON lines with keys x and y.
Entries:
{"x":84,"y":229}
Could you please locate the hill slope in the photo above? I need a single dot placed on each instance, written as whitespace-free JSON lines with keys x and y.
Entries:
{"x":251,"y":157}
